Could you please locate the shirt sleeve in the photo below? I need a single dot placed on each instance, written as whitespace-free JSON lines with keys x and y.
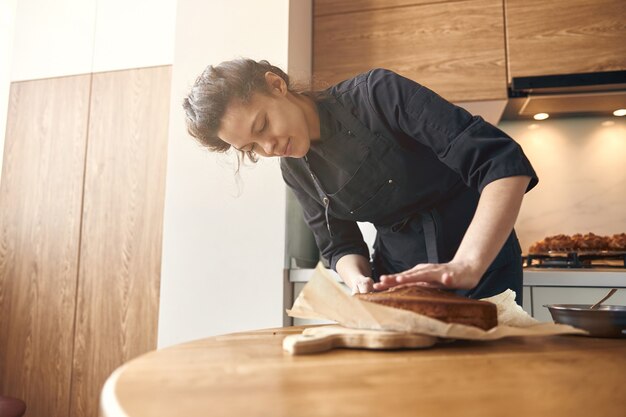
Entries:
{"x":475,"y":149}
{"x":346,"y":236}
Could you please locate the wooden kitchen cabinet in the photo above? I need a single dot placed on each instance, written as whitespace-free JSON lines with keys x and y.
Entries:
{"x":565,"y":36}
{"x":455,"y":48}
{"x":81,"y":215}
{"x":324,"y":7}
{"x":120,"y":251}
{"x":40,"y":211}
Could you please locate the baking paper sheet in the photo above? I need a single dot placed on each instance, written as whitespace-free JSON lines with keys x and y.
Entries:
{"x":323,"y":298}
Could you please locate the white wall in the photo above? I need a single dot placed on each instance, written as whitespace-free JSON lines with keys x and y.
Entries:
{"x":69,"y":37}
{"x":7,"y":28}
{"x":581,"y":164}
{"x":133,"y":34}
{"x":53,"y":38}
{"x":223,"y":253}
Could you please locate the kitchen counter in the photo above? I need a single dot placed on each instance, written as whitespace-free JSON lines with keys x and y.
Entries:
{"x":543,"y":277}
{"x":248,"y":374}
{"x":610,"y":278}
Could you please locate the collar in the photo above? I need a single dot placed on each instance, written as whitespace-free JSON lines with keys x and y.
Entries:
{"x":329,"y":125}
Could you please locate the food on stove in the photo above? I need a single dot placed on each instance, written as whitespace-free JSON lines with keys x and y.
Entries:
{"x":438,"y":304}
{"x":590,"y":242}
{"x":580,"y":243}
{"x":558,"y":242}
{"x":618,"y":242}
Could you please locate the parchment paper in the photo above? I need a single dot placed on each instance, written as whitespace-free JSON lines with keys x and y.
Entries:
{"x":323,"y":298}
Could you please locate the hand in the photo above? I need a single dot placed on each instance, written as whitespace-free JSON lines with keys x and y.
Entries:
{"x":448,"y":275}
{"x":361,"y":285}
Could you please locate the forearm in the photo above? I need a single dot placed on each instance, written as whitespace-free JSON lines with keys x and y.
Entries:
{"x":350,"y":267}
{"x":493,"y":221}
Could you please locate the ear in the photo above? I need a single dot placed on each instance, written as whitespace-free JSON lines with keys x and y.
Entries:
{"x":275,"y":83}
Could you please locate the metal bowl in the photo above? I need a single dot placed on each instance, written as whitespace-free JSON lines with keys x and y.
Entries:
{"x":606,"y":321}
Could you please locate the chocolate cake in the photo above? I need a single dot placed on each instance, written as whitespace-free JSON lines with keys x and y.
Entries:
{"x":438,"y":304}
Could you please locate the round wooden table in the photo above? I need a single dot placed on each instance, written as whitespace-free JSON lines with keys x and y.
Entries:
{"x":248,"y":374}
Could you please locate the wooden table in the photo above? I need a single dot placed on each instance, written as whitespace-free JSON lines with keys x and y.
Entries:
{"x":248,"y":374}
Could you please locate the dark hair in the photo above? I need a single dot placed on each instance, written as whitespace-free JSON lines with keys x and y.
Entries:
{"x":213,"y":91}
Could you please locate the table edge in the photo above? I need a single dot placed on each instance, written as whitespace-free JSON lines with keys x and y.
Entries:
{"x":109,"y":404}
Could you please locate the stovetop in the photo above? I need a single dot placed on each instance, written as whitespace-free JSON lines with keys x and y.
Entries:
{"x":576,"y":259}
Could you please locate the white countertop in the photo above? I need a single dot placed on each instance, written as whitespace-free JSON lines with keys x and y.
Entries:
{"x":533,"y":277}
{"x":541,"y":277}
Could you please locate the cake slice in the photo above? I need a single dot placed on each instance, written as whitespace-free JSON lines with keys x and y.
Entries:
{"x":436,"y":303}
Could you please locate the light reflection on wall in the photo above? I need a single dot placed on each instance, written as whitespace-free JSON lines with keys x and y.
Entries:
{"x":581,"y":164}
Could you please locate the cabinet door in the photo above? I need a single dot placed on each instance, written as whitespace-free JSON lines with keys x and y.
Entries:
{"x":565,"y":36}
{"x":120,"y":250}
{"x":323,"y":7}
{"x":527,"y":302}
{"x":40,"y":209}
{"x":456,"y":49}
{"x":570,"y":295}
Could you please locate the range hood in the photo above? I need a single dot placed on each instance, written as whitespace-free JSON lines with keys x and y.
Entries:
{"x":568,"y":95}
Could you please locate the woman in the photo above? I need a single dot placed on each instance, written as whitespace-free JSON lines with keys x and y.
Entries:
{"x":443,"y":188}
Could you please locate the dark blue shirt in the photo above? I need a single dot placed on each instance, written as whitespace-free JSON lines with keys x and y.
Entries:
{"x":416,"y":152}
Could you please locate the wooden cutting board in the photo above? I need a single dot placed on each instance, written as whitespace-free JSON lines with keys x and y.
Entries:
{"x":323,"y":338}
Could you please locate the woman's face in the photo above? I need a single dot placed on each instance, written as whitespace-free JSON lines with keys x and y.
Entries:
{"x":276,"y":124}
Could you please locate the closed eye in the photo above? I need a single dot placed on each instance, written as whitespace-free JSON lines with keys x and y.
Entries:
{"x":250,"y":148}
{"x":265,"y":123}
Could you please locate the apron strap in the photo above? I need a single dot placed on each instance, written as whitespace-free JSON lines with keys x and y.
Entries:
{"x":325,"y":200}
{"x":430,"y":236}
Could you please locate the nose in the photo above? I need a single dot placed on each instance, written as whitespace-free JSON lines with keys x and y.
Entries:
{"x":269,"y":146}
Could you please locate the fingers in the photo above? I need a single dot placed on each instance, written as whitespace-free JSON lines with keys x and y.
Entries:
{"x":430,"y":276}
{"x":407,"y":277}
{"x":363,"y":286}
{"x":447,"y":275}
{"x":416,"y":268}
{"x":382,"y":287}
{"x":424,"y":274}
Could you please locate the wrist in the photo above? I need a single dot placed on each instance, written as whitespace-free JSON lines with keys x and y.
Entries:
{"x":470,"y":266}
{"x":353,"y":267}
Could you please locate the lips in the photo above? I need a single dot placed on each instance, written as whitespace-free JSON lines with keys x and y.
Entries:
{"x":287,"y":150}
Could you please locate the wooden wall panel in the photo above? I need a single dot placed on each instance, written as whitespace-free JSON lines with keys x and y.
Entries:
{"x":40,"y":210}
{"x":456,"y":49}
{"x":565,"y":36}
{"x":325,"y":7}
{"x":118,"y":294}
